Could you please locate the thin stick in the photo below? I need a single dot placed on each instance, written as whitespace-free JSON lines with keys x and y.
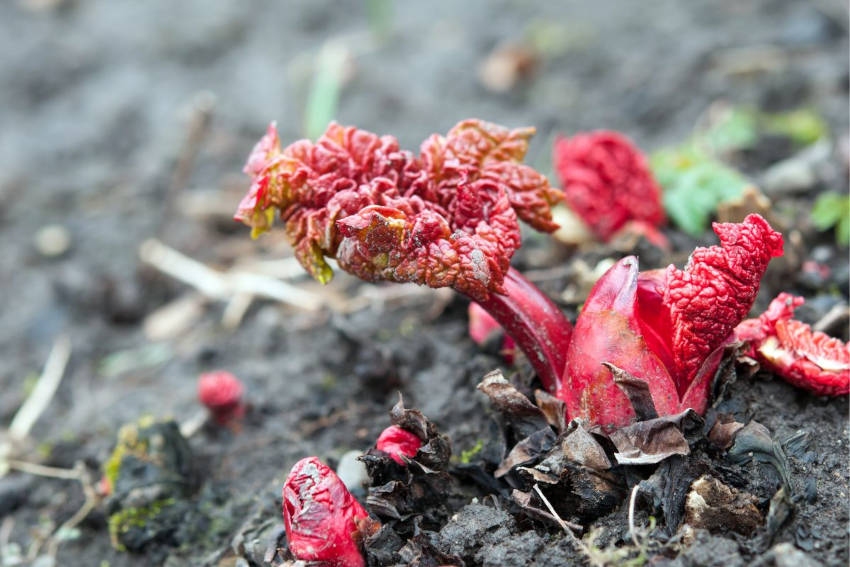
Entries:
{"x":41,"y":470}
{"x":192,"y":425}
{"x":92,"y":500}
{"x":6,"y":531}
{"x":223,"y":285}
{"x":179,"y":266}
{"x":832,"y":317}
{"x":565,"y":525}
{"x":632,"y":530}
{"x":203,"y":105}
{"x":44,"y":389}
{"x":235,"y":310}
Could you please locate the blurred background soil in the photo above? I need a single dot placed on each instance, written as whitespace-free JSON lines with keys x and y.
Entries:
{"x":124,"y":120}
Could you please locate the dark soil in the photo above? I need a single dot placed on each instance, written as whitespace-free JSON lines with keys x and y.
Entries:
{"x":98,"y":98}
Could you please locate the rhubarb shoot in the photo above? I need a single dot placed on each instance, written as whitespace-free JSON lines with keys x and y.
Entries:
{"x":447,"y":218}
{"x":667,"y":328}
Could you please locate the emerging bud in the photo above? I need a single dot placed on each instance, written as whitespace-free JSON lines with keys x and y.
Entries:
{"x":321,"y":517}
{"x":666,"y":327}
{"x":221,"y":393}
{"x":398,"y":442}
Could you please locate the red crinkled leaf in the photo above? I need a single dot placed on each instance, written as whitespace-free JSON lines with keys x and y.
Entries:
{"x":321,"y":516}
{"x":471,"y":256}
{"x":810,"y":360}
{"x":446,"y":218}
{"x":667,"y":328}
{"x":607,"y":182}
{"x":398,"y":442}
{"x":312,"y":185}
{"x":716,"y":290}
{"x":496,"y":153}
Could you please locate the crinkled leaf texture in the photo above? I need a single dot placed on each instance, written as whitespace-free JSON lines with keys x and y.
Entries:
{"x":321,"y":516}
{"x":445,"y":218}
{"x":607,"y":182}
{"x":808,"y":359}
{"x":666,"y":327}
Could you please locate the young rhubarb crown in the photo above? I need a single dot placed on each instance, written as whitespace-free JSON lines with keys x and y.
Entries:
{"x":807,"y":359}
{"x":666,"y":327}
{"x":607,"y":182}
{"x":447,"y":218}
{"x":321,"y":517}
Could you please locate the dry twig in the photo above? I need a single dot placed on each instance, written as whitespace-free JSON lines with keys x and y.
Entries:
{"x":38,"y":400}
{"x":632,"y":531}
{"x":225,"y":285}
{"x":568,"y":527}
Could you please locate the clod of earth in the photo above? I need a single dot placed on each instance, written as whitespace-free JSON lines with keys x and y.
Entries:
{"x":718,"y":508}
{"x":149,"y":473}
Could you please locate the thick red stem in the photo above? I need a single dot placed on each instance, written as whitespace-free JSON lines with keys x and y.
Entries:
{"x":536,"y":324}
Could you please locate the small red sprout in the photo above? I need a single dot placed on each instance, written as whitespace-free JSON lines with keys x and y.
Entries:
{"x":221,"y":393}
{"x":482,"y":326}
{"x":607,"y":182}
{"x":445,"y":218}
{"x":810,"y":360}
{"x":665,"y":327}
{"x":321,"y":517}
{"x":397,"y":442}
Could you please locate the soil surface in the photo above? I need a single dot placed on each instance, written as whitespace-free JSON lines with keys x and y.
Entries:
{"x":124,"y":121}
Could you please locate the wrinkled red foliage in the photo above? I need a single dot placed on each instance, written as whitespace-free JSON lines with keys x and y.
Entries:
{"x":321,"y":517}
{"x":808,"y":359}
{"x":716,"y":290}
{"x":482,"y":326}
{"x":221,"y":393}
{"x":607,"y":182}
{"x":445,"y":218}
{"x":666,"y":327}
{"x":398,"y":442}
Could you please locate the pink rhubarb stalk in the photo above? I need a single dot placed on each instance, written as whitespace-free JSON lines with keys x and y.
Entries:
{"x":445,"y":218}
{"x":808,"y":359}
{"x":666,"y":327}
{"x":536,"y":324}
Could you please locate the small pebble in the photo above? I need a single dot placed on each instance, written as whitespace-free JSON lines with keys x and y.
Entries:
{"x":52,"y":241}
{"x":352,"y":472}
